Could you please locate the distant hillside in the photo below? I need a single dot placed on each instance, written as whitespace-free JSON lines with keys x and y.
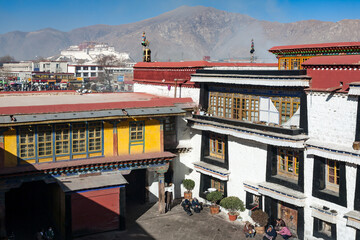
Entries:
{"x":186,"y":33}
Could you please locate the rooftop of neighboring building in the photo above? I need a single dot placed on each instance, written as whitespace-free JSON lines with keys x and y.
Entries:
{"x":199,"y":64}
{"x":316,"y":46}
{"x":333,"y":73}
{"x":344,"y":60}
{"x":58,"y":102}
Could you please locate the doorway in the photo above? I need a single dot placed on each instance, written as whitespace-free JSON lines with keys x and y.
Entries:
{"x":31,"y":207}
{"x":289,"y":215}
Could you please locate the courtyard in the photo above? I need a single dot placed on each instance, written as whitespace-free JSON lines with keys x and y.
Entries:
{"x":144,"y":222}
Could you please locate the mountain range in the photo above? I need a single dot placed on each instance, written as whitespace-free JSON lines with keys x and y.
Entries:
{"x":186,"y":33}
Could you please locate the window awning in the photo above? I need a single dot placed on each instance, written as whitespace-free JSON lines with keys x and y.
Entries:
{"x":282,"y":193}
{"x":353,"y":219}
{"x":211,"y":170}
{"x":251,"y":187}
{"x":324,"y":215}
{"x":83,"y":182}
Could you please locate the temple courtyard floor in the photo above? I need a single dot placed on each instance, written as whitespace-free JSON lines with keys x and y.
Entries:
{"x":144,"y":222}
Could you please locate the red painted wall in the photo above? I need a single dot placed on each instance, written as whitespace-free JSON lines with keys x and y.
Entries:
{"x":323,"y":79}
{"x":95,"y":211}
{"x":156,"y":75}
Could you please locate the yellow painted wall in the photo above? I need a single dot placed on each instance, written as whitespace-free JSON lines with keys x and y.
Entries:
{"x":151,"y":142}
{"x":41,"y":160}
{"x":152,"y":136}
{"x":79,"y":156}
{"x":10,"y":148}
{"x":108,"y":139}
{"x":151,"y":139}
{"x":123,"y":137}
{"x":136,"y":149}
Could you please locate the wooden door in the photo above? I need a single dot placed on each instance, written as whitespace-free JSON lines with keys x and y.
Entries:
{"x":290,"y":217}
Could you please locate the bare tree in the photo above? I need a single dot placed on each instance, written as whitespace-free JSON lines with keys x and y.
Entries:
{"x":106,"y":60}
{"x":7,"y":59}
{"x":105,"y":78}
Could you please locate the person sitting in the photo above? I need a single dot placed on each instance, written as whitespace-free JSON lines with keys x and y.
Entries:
{"x":285,"y":232}
{"x":249,"y":230}
{"x":279,"y":224}
{"x":270,"y":233}
{"x":49,"y":234}
{"x":186,"y":206}
{"x":195,"y":205}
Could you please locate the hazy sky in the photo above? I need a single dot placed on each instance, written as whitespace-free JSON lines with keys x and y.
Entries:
{"x":65,"y":15}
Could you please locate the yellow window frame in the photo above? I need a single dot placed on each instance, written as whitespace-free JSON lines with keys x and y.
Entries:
{"x":62,"y":139}
{"x":332,"y":175}
{"x":287,"y":107}
{"x":94,"y":137}
{"x":27,"y":142}
{"x":44,"y":140}
{"x":78,"y":138}
{"x":218,"y":185}
{"x":136,"y":131}
{"x":288,"y":162}
{"x":217,"y":146}
{"x":234,"y":106}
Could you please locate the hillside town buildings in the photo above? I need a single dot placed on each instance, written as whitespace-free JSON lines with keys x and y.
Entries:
{"x":90,"y":52}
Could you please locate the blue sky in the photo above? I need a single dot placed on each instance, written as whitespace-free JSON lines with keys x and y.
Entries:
{"x":65,"y":15}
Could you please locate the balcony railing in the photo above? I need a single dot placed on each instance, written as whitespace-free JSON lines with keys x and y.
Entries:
{"x":257,"y":126}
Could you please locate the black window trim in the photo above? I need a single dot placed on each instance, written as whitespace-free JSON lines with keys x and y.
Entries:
{"x":319,"y":175}
{"x":273,"y":177}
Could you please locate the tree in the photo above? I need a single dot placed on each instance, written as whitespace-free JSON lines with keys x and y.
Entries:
{"x":6,"y":59}
{"x":106,"y":60}
{"x":105,"y":78}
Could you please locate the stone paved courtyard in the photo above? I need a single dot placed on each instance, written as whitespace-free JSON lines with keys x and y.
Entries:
{"x":146,"y":223}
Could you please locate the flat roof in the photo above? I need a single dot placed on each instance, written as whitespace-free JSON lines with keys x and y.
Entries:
{"x":333,"y":60}
{"x":29,"y":103}
{"x":197,"y":64}
{"x":316,"y":45}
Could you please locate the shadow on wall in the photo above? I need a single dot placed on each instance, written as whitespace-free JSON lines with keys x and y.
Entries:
{"x":179,"y":175}
{"x":34,"y":201}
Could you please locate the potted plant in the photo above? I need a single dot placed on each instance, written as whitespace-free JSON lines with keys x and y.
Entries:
{"x":261,"y":219}
{"x":233,"y":205}
{"x":189,"y":186}
{"x":214,"y":197}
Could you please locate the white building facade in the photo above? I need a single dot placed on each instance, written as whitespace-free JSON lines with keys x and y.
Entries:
{"x":278,"y":143}
{"x":293,"y":151}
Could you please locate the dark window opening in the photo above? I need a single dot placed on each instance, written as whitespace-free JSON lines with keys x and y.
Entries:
{"x":325,"y":230}
{"x":207,"y":182}
{"x":253,"y":201}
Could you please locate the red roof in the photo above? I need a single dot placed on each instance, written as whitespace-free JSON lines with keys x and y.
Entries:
{"x":197,"y":64}
{"x":30,"y":104}
{"x":223,"y":64}
{"x":317,"y":45}
{"x":333,"y":60}
{"x":190,"y":64}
